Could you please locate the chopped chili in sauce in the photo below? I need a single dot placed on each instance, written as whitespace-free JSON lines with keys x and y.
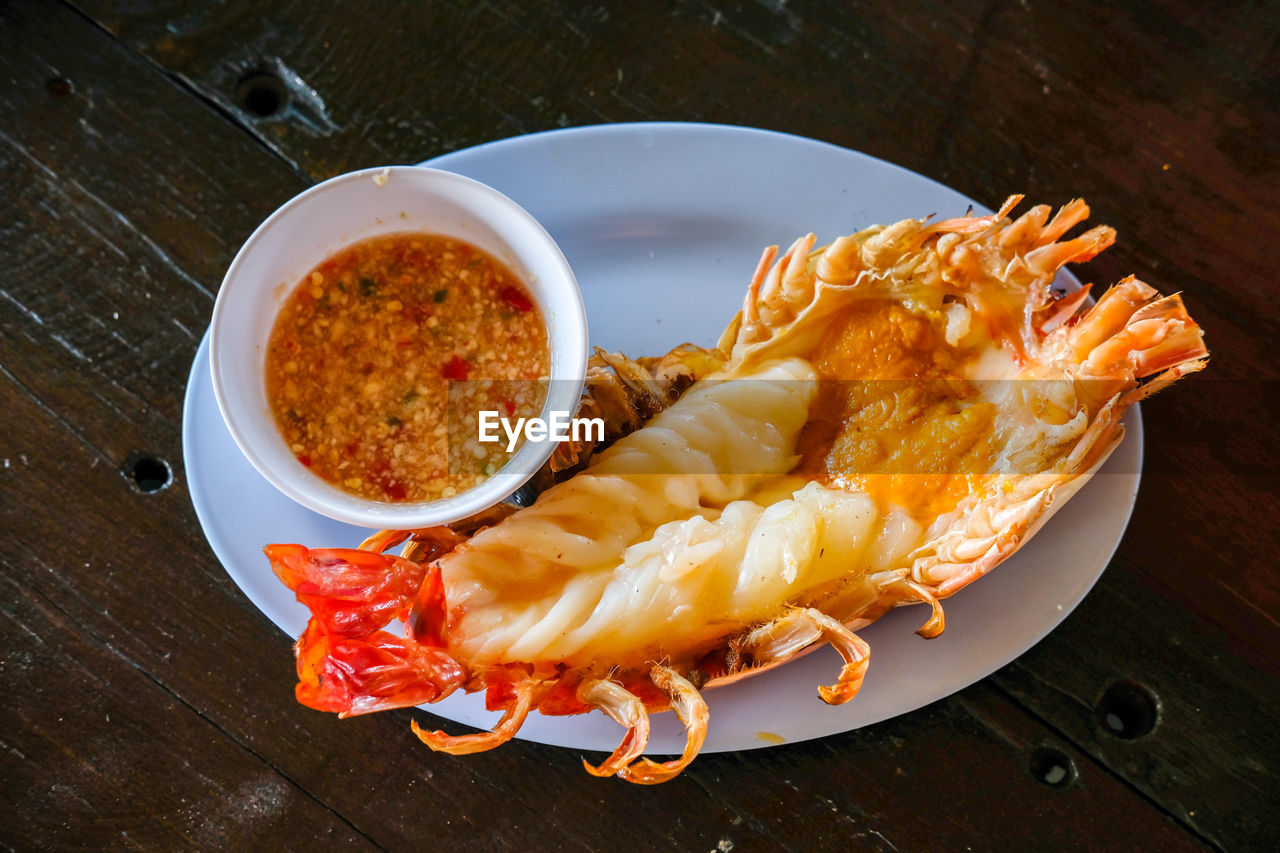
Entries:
{"x":364,"y":352}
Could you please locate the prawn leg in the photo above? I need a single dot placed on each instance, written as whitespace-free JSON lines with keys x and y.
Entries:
{"x":691,"y":708}
{"x":781,"y":639}
{"x":626,"y":709}
{"x":909,"y":589}
{"x":513,"y":718}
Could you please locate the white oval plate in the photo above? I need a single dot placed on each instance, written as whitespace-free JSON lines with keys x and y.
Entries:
{"x":663,"y":225}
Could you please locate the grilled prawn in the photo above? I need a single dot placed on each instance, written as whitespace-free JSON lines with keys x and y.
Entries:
{"x":885,"y":421}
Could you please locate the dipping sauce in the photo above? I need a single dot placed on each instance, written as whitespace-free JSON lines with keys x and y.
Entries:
{"x":380,"y":343}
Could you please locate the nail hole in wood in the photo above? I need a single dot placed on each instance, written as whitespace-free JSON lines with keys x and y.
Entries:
{"x":59,"y":88}
{"x":146,"y":473}
{"x":1052,"y":767}
{"x":1127,"y":710}
{"x":261,"y":93}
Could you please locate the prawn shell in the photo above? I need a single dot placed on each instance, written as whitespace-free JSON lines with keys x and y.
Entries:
{"x":1062,"y":493}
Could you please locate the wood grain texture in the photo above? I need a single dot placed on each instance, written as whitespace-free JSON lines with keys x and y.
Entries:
{"x":128,"y":192}
{"x":99,"y":754}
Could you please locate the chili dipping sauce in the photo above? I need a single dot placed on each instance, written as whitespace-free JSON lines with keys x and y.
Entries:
{"x":368,"y":355}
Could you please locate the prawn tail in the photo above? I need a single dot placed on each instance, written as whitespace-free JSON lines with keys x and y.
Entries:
{"x":346,"y":663}
{"x":377,"y":672}
{"x":351,"y":592}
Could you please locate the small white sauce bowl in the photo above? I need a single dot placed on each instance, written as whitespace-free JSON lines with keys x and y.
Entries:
{"x":331,"y":216}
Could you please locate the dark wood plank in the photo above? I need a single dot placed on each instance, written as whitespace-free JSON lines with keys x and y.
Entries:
{"x":1163,"y":120}
{"x":97,"y":754}
{"x":84,"y":159}
{"x":1206,"y":754}
{"x":131,"y":196}
{"x":412,"y":81}
{"x":940,"y":759}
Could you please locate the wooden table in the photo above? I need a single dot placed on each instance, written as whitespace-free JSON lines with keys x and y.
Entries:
{"x":147,"y":702}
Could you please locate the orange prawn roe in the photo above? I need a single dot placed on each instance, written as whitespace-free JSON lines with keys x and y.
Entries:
{"x":889,"y":419}
{"x":364,"y":352}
